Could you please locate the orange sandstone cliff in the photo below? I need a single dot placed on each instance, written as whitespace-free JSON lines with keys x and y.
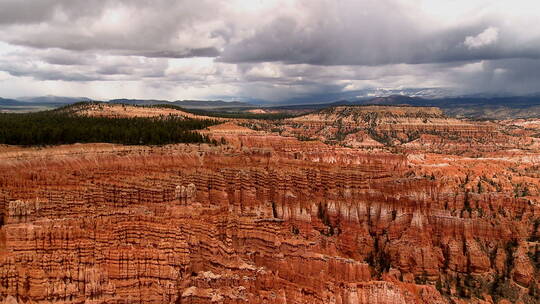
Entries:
{"x":269,"y":218}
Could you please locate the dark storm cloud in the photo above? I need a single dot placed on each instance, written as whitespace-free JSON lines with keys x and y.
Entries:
{"x":286,"y":50}
{"x":161,"y":28}
{"x":26,"y":12}
{"x":319,"y":33}
{"x":200,"y":52}
{"x":505,"y":76}
{"x":53,"y":64}
{"x":61,"y":57}
{"x":376,"y":33}
{"x":14,"y":12}
{"x":48,"y":74}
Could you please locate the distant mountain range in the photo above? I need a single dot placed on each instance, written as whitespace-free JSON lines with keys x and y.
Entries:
{"x":464,"y":107}
{"x":190,"y":104}
{"x":50,"y":99}
{"x":47,"y":102}
{"x":475,"y":106}
{"x":10,"y":102}
{"x":24,"y":104}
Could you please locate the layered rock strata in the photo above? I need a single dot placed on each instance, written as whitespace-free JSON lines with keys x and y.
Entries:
{"x":267,"y":219}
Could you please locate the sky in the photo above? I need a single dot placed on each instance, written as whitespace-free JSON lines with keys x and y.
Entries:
{"x":271,"y":50}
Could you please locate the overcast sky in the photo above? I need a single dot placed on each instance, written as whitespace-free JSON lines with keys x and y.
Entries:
{"x":272,"y":50}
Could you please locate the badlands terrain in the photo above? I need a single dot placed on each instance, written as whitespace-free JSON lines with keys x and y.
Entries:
{"x":350,"y":204}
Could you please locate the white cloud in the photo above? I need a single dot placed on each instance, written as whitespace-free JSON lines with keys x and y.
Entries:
{"x":265,"y":49}
{"x":488,"y":37}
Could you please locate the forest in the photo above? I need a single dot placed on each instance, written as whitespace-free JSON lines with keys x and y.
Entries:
{"x":58,"y":127}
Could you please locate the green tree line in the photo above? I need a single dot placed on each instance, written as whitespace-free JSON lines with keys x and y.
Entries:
{"x":57,"y":127}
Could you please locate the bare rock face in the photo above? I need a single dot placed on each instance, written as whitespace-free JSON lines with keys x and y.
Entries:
{"x":268,"y":219}
{"x":185,"y":193}
{"x":387,"y":124}
{"x":20,"y":211}
{"x":404,"y":127}
{"x":523,"y":272}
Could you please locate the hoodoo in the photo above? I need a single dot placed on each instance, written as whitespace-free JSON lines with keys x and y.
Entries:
{"x":265,"y":217}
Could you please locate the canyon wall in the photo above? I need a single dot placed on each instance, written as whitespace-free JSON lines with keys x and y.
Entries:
{"x":265,"y":218}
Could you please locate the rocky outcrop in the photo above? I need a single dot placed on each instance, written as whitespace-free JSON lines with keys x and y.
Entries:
{"x":406,"y":128}
{"x":185,"y":193}
{"x":390,"y":124}
{"x":267,"y":219}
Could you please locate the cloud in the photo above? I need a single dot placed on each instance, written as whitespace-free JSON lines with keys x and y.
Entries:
{"x":200,"y":52}
{"x":377,"y":33}
{"x":274,"y":50}
{"x":15,"y":12}
{"x":162,"y":28}
{"x":487,"y":37}
{"x":505,"y":76}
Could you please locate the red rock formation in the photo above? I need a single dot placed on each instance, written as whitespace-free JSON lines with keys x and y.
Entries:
{"x":267,"y":219}
{"x":407,"y":128}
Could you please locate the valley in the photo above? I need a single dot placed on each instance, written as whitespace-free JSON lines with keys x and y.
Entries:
{"x":348,"y":204}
